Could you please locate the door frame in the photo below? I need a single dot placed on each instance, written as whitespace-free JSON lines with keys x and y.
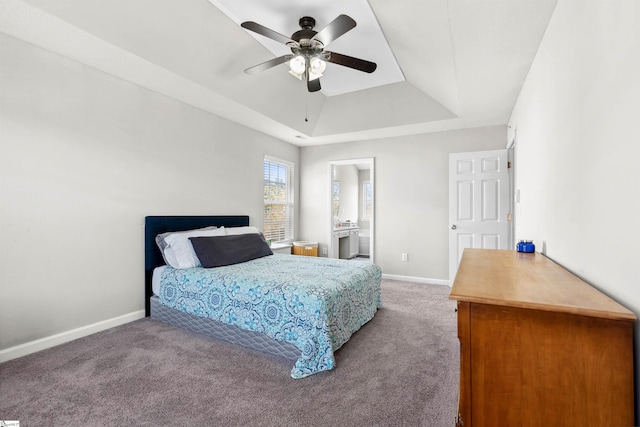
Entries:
{"x":514,"y":197}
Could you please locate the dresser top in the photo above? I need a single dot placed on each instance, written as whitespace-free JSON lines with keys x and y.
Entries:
{"x":529,"y":280}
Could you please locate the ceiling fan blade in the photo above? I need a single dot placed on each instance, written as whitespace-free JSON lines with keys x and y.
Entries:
{"x":267,"y":32}
{"x":351,"y":62}
{"x":268,"y":64}
{"x":335,"y":29}
{"x":312,"y":85}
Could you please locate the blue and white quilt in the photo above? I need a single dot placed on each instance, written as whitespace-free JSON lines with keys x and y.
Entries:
{"x":313,"y":303}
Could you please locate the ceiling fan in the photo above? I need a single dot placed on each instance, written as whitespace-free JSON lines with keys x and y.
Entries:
{"x":308,"y":59}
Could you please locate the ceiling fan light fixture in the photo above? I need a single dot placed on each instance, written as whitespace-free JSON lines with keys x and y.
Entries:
{"x":316,"y":67}
{"x":296,"y":75}
{"x":297,"y":66}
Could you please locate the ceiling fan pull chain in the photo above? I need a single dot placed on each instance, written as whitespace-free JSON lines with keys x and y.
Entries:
{"x":306,"y":106}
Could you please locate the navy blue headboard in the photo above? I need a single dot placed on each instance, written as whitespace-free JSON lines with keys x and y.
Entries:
{"x":154,"y":225}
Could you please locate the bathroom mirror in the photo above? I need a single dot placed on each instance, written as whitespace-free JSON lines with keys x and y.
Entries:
{"x":352,"y":215}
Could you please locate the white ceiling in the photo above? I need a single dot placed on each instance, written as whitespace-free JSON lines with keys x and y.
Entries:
{"x":463,"y":61}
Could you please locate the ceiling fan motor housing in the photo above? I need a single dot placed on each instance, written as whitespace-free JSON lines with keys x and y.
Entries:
{"x":307,"y":23}
{"x":305,"y":35}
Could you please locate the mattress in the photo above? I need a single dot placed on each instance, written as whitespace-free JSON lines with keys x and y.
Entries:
{"x":316,"y":304}
{"x":155,"y":279}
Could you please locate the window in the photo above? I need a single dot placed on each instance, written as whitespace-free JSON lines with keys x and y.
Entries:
{"x":367,"y":200}
{"x":278,"y":200}
{"x":336,"y":199}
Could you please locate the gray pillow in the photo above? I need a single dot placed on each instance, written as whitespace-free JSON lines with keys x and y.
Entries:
{"x":227,"y":250}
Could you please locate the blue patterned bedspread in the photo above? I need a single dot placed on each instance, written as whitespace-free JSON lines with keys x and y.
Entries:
{"x":313,"y":303}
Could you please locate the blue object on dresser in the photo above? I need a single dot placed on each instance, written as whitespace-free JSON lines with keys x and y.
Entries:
{"x":526,"y":246}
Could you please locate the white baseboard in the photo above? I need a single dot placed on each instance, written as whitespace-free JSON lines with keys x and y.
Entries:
{"x":416,"y":279}
{"x":61,"y":338}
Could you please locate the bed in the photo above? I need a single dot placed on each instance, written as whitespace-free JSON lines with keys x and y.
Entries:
{"x":296,"y":307}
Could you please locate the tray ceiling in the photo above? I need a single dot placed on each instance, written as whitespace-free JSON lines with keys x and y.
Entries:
{"x":442,"y":65}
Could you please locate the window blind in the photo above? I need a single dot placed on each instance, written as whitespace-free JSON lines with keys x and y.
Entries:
{"x":278,"y":200}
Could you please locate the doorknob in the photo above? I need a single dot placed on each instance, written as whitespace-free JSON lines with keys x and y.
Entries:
{"x":453,"y":227}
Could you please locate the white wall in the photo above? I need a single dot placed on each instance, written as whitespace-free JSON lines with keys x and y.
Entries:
{"x":411,"y":195}
{"x":577,"y":144}
{"x":84,"y":157}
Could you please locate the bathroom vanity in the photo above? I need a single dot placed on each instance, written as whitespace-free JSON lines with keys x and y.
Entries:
{"x":345,"y":241}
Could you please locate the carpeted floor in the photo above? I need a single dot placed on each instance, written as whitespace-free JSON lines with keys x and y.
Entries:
{"x":400,"y":369}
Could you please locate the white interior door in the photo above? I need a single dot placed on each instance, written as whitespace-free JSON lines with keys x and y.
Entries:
{"x":478,"y":203}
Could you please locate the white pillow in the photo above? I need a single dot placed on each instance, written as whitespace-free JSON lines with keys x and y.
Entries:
{"x":177,"y":249}
{"x":167,"y":251}
{"x":232,"y":231}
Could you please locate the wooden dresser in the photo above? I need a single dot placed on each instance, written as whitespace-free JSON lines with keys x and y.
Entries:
{"x":538,"y":346}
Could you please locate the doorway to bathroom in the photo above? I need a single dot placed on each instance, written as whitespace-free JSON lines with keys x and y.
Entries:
{"x":352,"y":215}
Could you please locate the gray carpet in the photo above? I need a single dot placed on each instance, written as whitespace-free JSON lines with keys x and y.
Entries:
{"x":400,"y":369}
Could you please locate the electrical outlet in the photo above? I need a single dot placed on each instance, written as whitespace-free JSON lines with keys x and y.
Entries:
{"x":405,"y":257}
{"x":324,"y":251}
